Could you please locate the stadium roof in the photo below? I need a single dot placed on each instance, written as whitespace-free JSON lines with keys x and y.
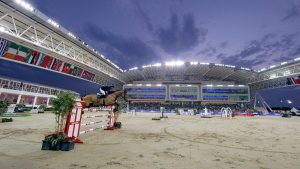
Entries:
{"x":197,"y":71}
{"x":27,"y":9}
{"x":190,"y":71}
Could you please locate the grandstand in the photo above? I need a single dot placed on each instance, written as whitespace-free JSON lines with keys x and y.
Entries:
{"x":36,"y":49}
{"x":29,"y":94}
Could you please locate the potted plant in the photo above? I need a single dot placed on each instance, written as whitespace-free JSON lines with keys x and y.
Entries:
{"x":3,"y":109}
{"x":61,"y":106}
{"x":3,"y":106}
{"x":68,"y":144}
{"x":54,"y":141}
{"x":122,"y":105}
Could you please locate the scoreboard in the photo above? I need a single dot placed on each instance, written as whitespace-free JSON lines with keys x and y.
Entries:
{"x":143,"y":92}
{"x":238,"y":93}
{"x":183,"y":92}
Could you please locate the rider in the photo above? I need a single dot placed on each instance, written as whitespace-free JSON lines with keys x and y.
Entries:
{"x":104,"y":91}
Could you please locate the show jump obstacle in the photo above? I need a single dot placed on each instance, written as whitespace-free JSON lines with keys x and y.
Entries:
{"x":75,"y":124}
{"x":227,"y":112}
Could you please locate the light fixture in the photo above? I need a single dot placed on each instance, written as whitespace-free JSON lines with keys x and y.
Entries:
{"x":25,"y":5}
{"x":53,"y":23}
{"x":174,"y":63}
{"x":72,"y":35}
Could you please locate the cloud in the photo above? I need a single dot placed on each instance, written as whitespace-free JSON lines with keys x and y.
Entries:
{"x":180,"y":37}
{"x":223,"y":44}
{"x":130,"y":50}
{"x":293,"y":12}
{"x":142,"y":14}
{"x":270,"y":49}
{"x":209,"y":51}
{"x":242,"y":58}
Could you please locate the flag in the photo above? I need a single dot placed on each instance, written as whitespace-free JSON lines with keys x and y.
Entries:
{"x":89,"y":76}
{"x":12,"y":51}
{"x":56,"y":64}
{"x":40,"y":60}
{"x":79,"y":72}
{"x":74,"y":72}
{"x":92,"y":77}
{"x":22,"y":53}
{"x":296,"y":80}
{"x":34,"y":58}
{"x":3,"y":44}
{"x":61,"y":67}
{"x":84,"y":74}
{"x":71,"y":69}
{"x":46,"y":62}
{"x":66,"y":67}
{"x":29,"y":57}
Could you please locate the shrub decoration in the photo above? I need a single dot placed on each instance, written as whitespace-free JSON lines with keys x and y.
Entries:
{"x":59,"y":140}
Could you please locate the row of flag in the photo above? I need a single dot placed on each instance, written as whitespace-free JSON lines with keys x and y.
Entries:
{"x":293,"y":80}
{"x":20,"y":53}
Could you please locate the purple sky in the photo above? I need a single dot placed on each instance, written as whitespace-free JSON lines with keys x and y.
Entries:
{"x":248,"y":33}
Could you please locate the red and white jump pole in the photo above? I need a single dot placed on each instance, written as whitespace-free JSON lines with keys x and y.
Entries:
{"x":74,"y":121}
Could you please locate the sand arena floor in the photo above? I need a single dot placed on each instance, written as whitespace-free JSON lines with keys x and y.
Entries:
{"x":184,"y":142}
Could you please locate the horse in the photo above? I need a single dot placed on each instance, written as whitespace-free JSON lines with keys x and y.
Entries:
{"x":91,"y":100}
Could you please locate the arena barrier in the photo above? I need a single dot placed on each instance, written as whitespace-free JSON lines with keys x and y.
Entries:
{"x":75,"y":122}
{"x":186,"y":112}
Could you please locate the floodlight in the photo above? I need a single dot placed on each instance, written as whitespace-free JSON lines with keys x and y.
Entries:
{"x":230,"y":66}
{"x":202,"y":63}
{"x":53,"y":23}
{"x":263,"y":69}
{"x":134,"y":68}
{"x":283,"y":63}
{"x":25,"y":5}
{"x":72,"y":35}
{"x":174,"y":63}
{"x":296,"y":59}
{"x":244,"y":68}
{"x":157,"y":64}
